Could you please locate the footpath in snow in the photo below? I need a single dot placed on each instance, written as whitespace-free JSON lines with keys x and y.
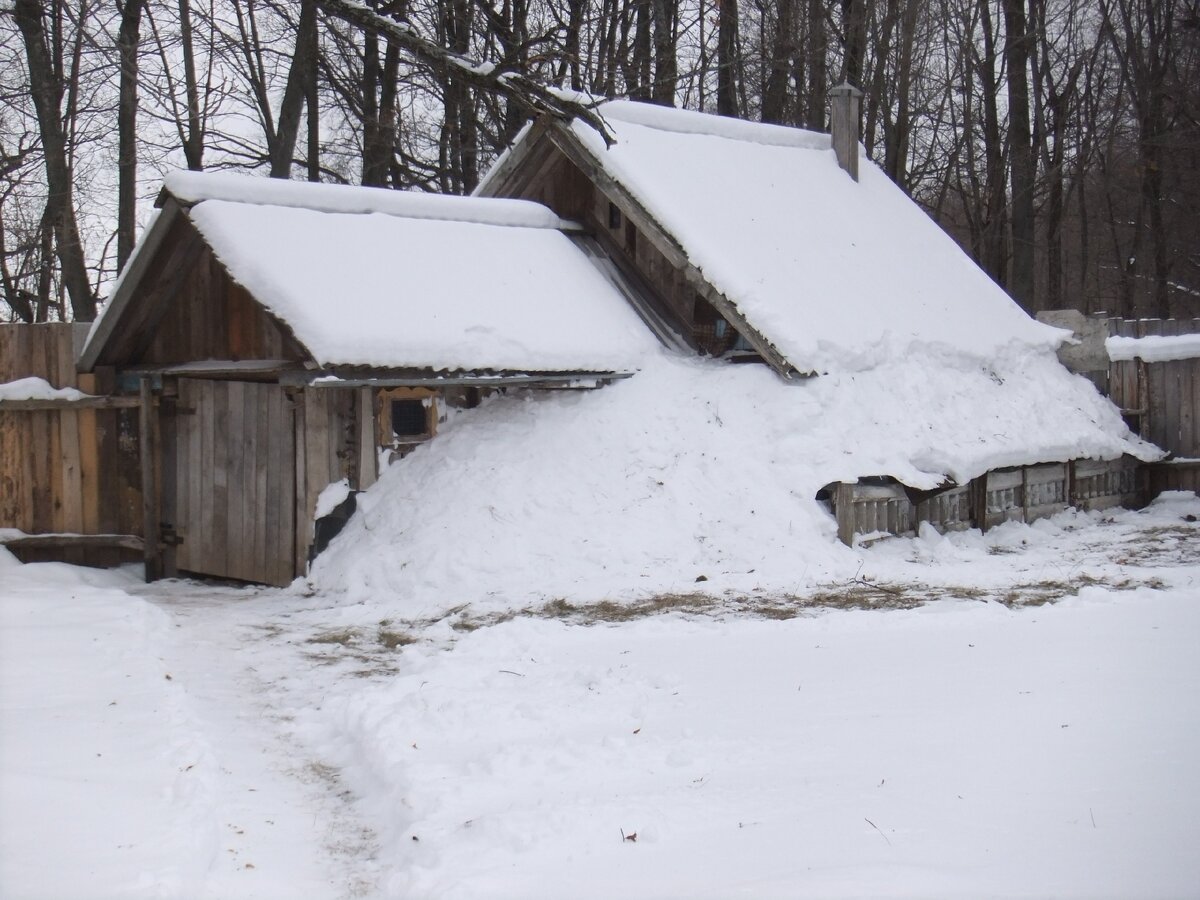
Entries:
{"x":1003,"y":715}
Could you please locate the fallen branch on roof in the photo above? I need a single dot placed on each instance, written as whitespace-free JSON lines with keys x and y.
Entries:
{"x":531,"y":94}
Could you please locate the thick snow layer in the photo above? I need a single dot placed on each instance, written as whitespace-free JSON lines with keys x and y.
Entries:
{"x":195,"y":741}
{"x":1154,"y":348}
{"x":691,"y":469}
{"x":194,"y":187}
{"x":837,"y":275}
{"x":382,"y":289}
{"x":34,"y":388}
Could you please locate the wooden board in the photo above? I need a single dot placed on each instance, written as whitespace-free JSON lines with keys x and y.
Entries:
{"x":61,"y":467}
{"x":235,"y":480}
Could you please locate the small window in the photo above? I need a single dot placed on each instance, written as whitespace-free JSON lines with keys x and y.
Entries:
{"x":409,"y":418}
{"x":614,"y":216}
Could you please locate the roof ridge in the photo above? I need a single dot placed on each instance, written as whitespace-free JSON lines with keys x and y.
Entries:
{"x":686,"y":121}
{"x":190,"y":188}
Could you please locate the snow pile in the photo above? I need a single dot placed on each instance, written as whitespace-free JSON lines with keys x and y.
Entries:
{"x":836,"y":274}
{"x":34,"y":388}
{"x":100,"y":787}
{"x":1154,"y":348}
{"x":383,"y":289}
{"x":691,"y":471}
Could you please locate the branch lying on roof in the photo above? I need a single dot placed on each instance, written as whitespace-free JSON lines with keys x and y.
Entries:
{"x":531,"y":94}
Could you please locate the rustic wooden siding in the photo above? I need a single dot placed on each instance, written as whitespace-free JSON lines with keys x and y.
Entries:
{"x":549,"y":177}
{"x":210,"y":316}
{"x":188,"y":308}
{"x":326,"y":452}
{"x":1021,"y":494}
{"x":1161,"y":400}
{"x":234,"y":486}
{"x":71,"y":470}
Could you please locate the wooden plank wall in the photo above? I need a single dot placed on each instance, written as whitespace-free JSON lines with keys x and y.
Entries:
{"x":234,"y":507}
{"x":1022,"y":494}
{"x":1161,"y":400}
{"x":64,"y":471}
{"x":326,"y":436}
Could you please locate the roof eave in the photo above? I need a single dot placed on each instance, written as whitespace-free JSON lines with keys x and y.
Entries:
{"x":131,"y":277}
{"x":666,"y":243}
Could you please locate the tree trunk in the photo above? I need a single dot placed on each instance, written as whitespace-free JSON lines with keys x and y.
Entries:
{"x":1022,"y":166}
{"x":299,"y":75}
{"x":818,"y":77}
{"x":666,"y":72}
{"x":47,"y":94}
{"x":127,"y":44}
{"x":193,"y":139}
{"x":727,"y":59}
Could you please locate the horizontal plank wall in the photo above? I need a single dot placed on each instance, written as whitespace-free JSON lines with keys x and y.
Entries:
{"x":64,"y":470}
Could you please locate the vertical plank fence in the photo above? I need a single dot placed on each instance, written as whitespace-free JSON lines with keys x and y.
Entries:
{"x":64,"y":471}
{"x":1161,"y":401}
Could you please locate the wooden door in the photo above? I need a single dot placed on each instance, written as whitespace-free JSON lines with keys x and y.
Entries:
{"x":234,"y":486}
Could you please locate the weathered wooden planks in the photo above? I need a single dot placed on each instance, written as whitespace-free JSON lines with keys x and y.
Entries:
{"x":1021,"y":494}
{"x":62,"y":467}
{"x":1161,"y":399}
{"x":235,"y":480}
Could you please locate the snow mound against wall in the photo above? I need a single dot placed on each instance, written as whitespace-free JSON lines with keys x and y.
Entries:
{"x":690,"y":468}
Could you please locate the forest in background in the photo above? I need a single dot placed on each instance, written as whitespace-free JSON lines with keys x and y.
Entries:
{"x":1057,"y":140}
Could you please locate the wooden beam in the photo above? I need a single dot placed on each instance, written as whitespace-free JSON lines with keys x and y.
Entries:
{"x":977,"y":491}
{"x":667,"y":245}
{"x":512,"y":163}
{"x":326,"y":380}
{"x":131,"y":278}
{"x":55,"y":541}
{"x":115,"y":402}
{"x":843,"y":504}
{"x":151,"y":479}
{"x":368,"y":451}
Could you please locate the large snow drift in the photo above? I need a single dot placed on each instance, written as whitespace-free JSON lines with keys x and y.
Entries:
{"x":836,"y":274}
{"x":692,"y":468}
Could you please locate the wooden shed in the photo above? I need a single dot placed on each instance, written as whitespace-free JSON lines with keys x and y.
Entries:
{"x":283,"y":337}
{"x":750,"y":242}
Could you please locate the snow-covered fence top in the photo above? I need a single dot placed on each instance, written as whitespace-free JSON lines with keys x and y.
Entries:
{"x":1155,"y":378}
{"x":63,"y":469}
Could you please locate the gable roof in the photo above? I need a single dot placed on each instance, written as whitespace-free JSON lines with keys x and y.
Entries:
{"x":385,"y":279}
{"x":835,"y":274}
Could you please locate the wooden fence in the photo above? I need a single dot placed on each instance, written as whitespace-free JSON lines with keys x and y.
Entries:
{"x":64,"y":471}
{"x":1161,"y":402}
{"x":1020,"y":494}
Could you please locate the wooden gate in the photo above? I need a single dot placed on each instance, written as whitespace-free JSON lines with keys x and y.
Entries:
{"x":231,"y":492}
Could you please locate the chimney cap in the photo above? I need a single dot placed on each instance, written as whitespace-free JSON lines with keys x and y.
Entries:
{"x":845,"y":88}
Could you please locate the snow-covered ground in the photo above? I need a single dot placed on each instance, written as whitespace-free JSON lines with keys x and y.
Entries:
{"x":1013,"y":714}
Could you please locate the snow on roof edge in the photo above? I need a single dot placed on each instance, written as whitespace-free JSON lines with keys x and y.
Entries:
{"x":195,"y":187}
{"x":106,"y":309}
{"x":499,"y":161}
{"x":686,"y":121}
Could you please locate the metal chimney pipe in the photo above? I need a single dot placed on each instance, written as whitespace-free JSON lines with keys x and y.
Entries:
{"x":846,"y":100}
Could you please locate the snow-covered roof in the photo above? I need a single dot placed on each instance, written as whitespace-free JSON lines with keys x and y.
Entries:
{"x":836,"y":274}
{"x":380,"y":278}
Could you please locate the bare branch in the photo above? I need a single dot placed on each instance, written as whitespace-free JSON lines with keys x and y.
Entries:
{"x":532,"y":95}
